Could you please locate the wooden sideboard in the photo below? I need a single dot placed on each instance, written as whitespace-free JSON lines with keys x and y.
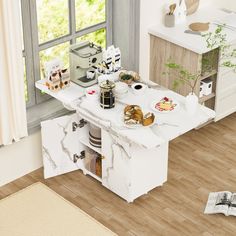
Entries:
{"x":190,"y":51}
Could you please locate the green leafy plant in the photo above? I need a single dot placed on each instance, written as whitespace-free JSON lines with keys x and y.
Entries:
{"x":219,"y":39}
{"x":183,"y":76}
{"x":216,"y":39}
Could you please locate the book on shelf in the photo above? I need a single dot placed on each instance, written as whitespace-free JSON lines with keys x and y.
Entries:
{"x":221,"y":202}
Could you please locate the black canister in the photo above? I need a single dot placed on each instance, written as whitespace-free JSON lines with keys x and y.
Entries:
{"x":107,"y":98}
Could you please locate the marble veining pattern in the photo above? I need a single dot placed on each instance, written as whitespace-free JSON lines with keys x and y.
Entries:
{"x":59,"y":144}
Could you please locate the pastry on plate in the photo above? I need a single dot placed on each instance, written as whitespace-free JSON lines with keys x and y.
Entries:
{"x":148,"y":119}
{"x":133,"y":115}
{"x":166,"y":104}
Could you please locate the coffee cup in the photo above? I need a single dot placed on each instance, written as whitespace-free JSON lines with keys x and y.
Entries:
{"x":90,"y":74}
{"x":138,"y":88}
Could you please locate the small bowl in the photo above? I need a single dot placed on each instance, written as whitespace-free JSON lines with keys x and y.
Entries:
{"x":138,"y":88}
{"x":121,"y":95}
{"x":121,"y":87}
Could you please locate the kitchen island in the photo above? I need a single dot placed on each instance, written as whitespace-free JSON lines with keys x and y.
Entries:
{"x":133,"y":160}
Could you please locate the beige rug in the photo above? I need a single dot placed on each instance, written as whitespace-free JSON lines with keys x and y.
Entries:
{"x":39,"y":211}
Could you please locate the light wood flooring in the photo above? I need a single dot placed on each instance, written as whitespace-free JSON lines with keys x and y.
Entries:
{"x":200,"y":161}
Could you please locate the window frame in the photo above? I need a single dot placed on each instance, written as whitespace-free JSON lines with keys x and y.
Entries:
{"x":32,"y":47}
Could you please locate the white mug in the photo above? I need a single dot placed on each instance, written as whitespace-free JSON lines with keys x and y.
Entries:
{"x":90,"y":74}
{"x":138,"y":88}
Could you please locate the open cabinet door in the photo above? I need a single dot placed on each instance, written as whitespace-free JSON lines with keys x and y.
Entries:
{"x":60,"y":145}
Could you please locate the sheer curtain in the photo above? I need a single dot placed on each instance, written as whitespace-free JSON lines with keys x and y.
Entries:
{"x":13,"y":123}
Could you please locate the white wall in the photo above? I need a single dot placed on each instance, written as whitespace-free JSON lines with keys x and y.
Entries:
{"x":151,"y":14}
{"x":20,"y":158}
{"x":229,"y":4}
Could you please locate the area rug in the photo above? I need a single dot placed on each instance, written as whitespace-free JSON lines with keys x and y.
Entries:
{"x":39,"y":211}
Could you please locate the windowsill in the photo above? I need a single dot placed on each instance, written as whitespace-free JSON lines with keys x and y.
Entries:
{"x":44,"y":111}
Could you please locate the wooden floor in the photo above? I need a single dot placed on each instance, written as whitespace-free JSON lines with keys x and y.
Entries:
{"x":200,"y":161}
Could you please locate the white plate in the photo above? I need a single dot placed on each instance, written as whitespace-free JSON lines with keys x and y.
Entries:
{"x":176,"y":108}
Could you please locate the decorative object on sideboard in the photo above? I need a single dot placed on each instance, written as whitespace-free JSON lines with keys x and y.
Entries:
{"x":169,"y":20}
{"x":207,"y":85}
{"x":192,"y":6}
{"x":56,"y":77}
{"x":107,"y":97}
{"x":180,"y":12}
{"x":199,"y":26}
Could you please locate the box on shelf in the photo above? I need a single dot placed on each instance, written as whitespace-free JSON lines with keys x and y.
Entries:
{"x":206,"y":85}
{"x":201,"y":94}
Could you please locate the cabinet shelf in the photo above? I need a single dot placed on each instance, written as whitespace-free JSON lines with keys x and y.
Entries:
{"x":206,"y":98}
{"x":208,"y":74}
{"x":85,"y":140}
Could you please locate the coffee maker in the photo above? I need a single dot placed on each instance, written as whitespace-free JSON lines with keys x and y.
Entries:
{"x":83,"y":60}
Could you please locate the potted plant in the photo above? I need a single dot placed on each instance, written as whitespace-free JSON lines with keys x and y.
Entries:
{"x":185,"y":77}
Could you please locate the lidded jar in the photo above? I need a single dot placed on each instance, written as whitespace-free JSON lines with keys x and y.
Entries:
{"x":107,"y":97}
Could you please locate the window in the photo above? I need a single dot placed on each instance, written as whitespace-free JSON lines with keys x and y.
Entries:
{"x":51,"y":26}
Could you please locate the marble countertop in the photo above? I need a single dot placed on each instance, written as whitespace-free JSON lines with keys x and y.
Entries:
{"x":170,"y":125}
{"x":191,"y":42}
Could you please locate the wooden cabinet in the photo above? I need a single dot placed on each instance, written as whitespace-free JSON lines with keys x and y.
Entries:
{"x":222,"y":98}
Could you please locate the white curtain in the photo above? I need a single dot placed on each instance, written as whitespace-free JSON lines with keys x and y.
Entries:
{"x":13,"y":123}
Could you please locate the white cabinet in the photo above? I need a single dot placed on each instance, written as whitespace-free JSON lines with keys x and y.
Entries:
{"x":226,"y":90}
{"x":60,"y":145}
{"x":127,"y":169}
{"x":131,"y":161}
{"x":130,"y":170}
{"x":226,"y":98}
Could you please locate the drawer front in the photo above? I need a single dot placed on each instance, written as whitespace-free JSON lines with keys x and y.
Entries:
{"x":226,"y":103}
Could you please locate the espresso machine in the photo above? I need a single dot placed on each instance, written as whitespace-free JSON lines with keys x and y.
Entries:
{"x":83,"y":60}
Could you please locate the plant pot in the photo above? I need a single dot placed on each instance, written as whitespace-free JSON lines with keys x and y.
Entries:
{"x":191,"y":104}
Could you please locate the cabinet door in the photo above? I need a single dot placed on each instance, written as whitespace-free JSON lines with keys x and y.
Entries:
{"x":60,"y":145}
{"x":115,"y":166}
{"x":226,"y":95}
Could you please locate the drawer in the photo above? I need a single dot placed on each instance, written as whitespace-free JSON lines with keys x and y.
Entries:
{"x":226,"y":81}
